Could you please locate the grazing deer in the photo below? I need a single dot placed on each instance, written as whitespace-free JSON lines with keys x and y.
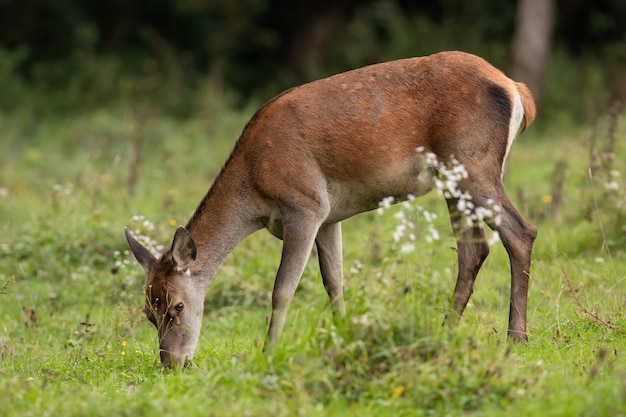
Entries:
{"x":325,"y":151}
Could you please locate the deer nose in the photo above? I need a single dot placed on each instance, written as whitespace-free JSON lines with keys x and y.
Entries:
{"x":166,"y":358}
{"x":170,"y":360}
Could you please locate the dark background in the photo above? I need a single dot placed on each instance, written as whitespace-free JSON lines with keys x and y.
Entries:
{"x":71,"y":55}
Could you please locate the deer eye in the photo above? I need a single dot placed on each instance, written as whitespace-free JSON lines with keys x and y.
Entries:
{"x":179,"y":307}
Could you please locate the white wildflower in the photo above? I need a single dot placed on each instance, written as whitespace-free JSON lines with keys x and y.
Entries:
{"x":363,"y":320}
{"x":431,"y":159}
{"x":495,"y":238}
{"x":433,"y":232}
{"x":399,"y":232}
{"x":386,"y":202}
{"x":407,"y":248}
{"x":148,"y":225}
{"x":356,"y":267}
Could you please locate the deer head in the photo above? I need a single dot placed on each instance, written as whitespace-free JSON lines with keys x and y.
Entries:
{"x":174,"y":299}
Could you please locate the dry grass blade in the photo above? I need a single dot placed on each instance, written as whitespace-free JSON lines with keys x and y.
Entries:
{"x":594,"y":317}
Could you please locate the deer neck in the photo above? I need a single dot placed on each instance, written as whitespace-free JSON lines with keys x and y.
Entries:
{"x":220,"y":223}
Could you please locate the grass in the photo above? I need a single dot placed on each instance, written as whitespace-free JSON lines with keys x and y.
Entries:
{"x":74,"y":342}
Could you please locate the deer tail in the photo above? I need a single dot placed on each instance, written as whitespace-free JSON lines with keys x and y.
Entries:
{"x":528,"y":103}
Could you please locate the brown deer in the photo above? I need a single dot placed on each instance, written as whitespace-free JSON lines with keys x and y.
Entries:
{"x":325,"y":151}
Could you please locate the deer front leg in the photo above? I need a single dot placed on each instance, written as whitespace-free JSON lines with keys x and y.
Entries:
{"x":329,"y":250}
{"x":472,"y":250}
{"x":299,"y":233}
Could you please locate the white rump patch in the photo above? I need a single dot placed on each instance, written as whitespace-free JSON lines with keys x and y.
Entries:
{"x":516,"y":120}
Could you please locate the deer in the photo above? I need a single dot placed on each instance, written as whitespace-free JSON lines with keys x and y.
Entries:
{"x":322,"y":152}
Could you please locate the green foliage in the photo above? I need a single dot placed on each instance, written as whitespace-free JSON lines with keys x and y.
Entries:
{"x":74,"y":340}
{"x":385,"y":31}
{"x":79,"y":56}
{"x":88,"y":79}
{"x":12,"y":85}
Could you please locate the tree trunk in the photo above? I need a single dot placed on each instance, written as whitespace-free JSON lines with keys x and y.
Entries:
{"x":532,"y":43}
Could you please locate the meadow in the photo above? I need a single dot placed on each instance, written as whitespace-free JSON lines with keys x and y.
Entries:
{"x":74,"y":341}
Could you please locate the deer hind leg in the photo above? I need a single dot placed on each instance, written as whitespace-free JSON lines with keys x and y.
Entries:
{"x":300,"y":226}
{"x":328,"y":243}
{"x":472,"y":250}
{"x":517,"y":236}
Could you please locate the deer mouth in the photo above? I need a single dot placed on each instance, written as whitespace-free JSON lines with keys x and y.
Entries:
{"x":171,"y":360}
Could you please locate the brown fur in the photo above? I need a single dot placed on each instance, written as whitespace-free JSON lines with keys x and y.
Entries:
{"x":322,"y":152}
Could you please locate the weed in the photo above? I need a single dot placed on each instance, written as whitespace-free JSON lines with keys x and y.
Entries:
{"x":141,"y":228}
{"x":449,"y":175}
{"x":5,"y":284}
{"x":591,"y":315}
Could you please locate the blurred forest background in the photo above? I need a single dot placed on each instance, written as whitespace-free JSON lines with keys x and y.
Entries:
{"x":76,"y":55}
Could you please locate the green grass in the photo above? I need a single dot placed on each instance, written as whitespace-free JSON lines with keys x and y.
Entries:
{"x":73,"y":340}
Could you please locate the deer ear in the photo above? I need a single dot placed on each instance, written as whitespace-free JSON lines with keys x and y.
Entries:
{"x":184,"y":249}
{"x":145,"y":258}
